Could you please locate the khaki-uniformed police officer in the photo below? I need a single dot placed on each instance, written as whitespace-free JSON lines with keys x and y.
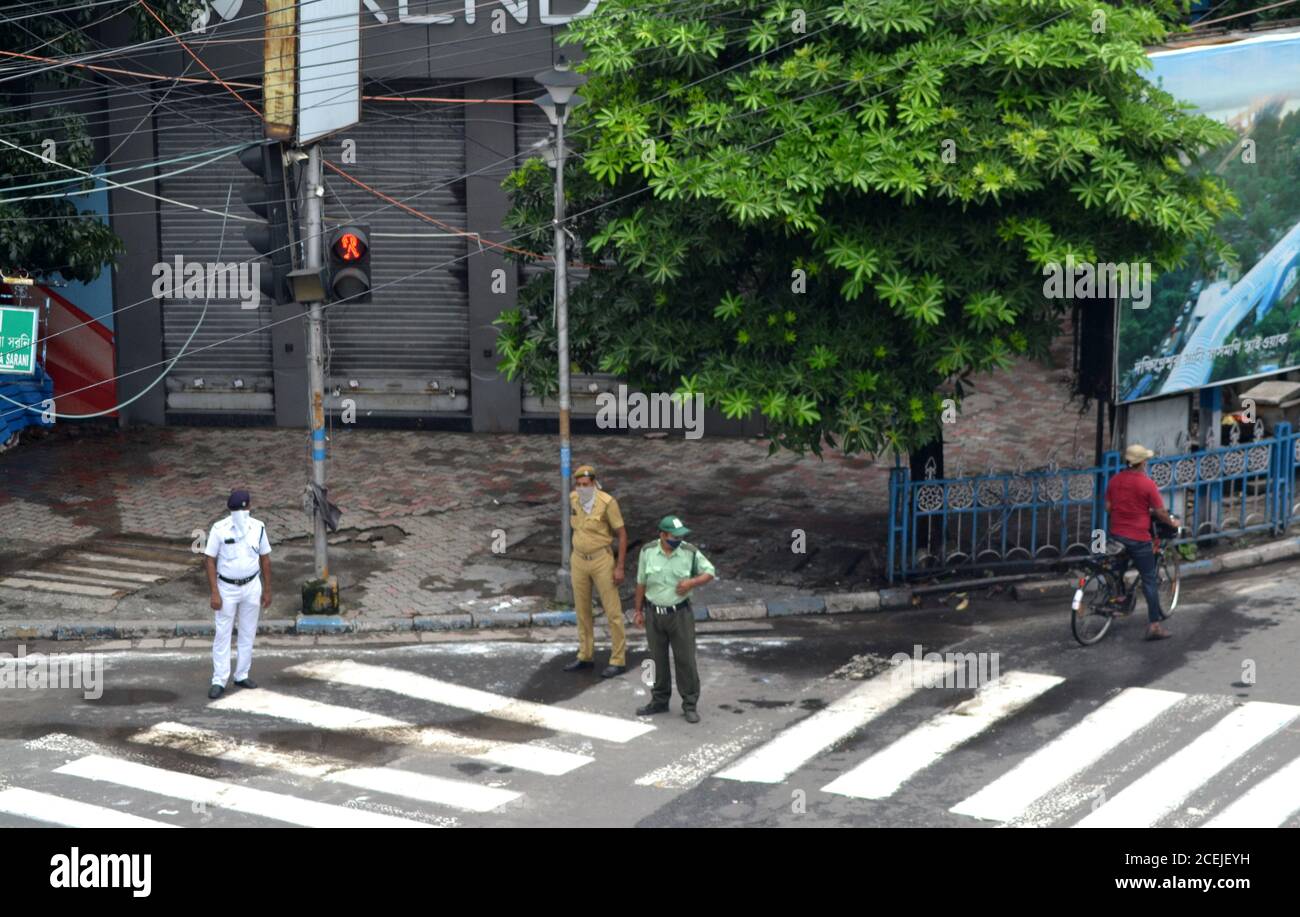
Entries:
{"x":239,"y":575}
{"x":667,"y":571}
{"x":596,"y":522}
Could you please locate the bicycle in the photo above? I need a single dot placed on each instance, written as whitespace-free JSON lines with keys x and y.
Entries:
{"x":1104,"y":594}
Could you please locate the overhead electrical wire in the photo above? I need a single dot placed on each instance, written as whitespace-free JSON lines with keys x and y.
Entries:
{"x":574,"y":216}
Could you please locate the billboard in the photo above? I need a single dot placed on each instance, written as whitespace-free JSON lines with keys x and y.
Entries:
{"x":1210,"y":324}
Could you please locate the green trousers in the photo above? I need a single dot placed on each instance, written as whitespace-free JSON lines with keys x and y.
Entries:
{"x":677,"y":630}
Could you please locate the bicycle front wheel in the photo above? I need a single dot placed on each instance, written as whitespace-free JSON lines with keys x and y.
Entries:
{"x":1090,"y":611}
{"x":1168,"y":581}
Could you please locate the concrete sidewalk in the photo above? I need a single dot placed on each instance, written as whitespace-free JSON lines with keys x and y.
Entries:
{"x":423,"y":510}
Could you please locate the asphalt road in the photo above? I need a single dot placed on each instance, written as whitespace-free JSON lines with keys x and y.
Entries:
{"x":1175,"y":733}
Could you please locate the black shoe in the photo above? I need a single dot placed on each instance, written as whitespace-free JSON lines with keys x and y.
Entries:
{"x":651,"y":709}
{"x":691,"y":716}
{"x":613,"y":670}
{"x":247,"y":683}
{"x":216,"y":691}
{"x":578,"y":665}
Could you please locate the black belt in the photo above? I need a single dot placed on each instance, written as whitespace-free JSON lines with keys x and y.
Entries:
{"x":669,"y":609}
{"x":239,"y":582}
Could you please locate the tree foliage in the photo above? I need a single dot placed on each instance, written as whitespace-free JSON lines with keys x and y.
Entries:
{"x":830,"y":210}
{"x":52,"y":236}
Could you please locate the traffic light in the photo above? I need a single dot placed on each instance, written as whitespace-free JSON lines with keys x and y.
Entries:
{"x":269,"y":237}
{"x":350,"y":263}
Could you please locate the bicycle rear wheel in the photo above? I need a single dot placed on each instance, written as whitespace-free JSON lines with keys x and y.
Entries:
{"x":1168,"y":580}
{"x":1090,"y":612}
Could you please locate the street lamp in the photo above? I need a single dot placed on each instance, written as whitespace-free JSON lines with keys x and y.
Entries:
{"x":561,"y":85}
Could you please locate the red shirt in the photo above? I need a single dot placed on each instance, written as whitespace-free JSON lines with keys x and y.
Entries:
{"x":1132,"y":495}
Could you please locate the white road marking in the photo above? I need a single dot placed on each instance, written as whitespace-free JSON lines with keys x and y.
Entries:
{"x":128,"y":575}
{"x":55,"y":810}
{"x":1068,"y":755}
{"x":87,"y":579}
{"x":170,"y":567}
{"x":692,"y":767}
{"x":458,"y":794}
{"x":1163,"y":788}
{"x":275,"y":806}
{"x":888,"y":769}
{"x":536,"y":758}
{"x":422,"y":687}
{"x":1266,"y":805}
{"x":781,"y":757}
{"x":16,"y":582}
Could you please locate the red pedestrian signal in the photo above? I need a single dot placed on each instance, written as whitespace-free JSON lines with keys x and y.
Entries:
{"x":349,"y":252}
{"x":349,"y":247}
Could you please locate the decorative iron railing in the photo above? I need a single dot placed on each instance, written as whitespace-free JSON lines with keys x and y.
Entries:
{"x":1000,"y":520}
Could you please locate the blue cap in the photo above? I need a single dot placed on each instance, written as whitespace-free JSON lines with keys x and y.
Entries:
{"x":239,"y":499}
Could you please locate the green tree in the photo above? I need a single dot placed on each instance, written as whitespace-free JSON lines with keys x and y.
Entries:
{"x":45,"y":237}
{"x":829,"y":210}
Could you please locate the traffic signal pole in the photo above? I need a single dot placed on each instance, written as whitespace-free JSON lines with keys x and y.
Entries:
{"x":313,"y":231}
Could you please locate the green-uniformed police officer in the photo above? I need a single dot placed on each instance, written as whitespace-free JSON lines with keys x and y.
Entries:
{"x":667,"y":571}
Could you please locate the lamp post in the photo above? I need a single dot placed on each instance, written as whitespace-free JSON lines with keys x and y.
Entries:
{"x":561,"y":85}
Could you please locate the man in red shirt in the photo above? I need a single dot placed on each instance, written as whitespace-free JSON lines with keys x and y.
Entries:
{"x":1131,"y":500}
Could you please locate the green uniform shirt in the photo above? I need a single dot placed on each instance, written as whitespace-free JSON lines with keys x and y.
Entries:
{"x":660,"y":573}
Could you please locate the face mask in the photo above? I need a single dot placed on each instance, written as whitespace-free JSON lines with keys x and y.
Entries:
{"x":674,"y":542}
{"x":586,"y":493}
{"x":240,"y":517}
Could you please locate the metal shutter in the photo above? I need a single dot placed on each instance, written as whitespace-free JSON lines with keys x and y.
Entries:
{"x":185,"y":127}
{"x":406,"y":351}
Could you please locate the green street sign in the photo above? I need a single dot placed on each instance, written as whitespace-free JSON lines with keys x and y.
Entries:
{"x":18,"y":332}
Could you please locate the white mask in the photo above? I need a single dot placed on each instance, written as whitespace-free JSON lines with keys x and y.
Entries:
{"x":240,"y":518}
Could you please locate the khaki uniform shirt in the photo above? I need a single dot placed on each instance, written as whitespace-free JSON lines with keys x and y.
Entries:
{"x":660,"y":573}
{"x":594,"y":531}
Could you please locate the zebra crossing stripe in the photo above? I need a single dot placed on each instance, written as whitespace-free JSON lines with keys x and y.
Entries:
{"x":132,"y":563}
{"x":69,"y":813}
{"x":781,"y":757}
{"x":1161,"y":790}
{"x":79,"y":578}
{"x":130,"y":576}
{"x":1266,"y":805}
{"x":1068,"y":755}
{"x":216,"y":793}
{"x":497,"y":706}
{"x":457,"y":794}
{"x":18,"y":582}
{"x":535,"y":758}
{"x":884,"y":772}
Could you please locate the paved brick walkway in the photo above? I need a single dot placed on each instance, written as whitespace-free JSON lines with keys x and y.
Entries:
{"x":448,"y":493}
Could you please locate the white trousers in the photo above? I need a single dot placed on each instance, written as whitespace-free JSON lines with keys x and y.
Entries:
{"x":246,"y":602}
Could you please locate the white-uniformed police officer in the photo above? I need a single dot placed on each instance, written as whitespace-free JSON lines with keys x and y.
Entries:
{"x":239,"y":573}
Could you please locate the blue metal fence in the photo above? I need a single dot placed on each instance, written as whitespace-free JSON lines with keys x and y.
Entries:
{"x":998,"y":520}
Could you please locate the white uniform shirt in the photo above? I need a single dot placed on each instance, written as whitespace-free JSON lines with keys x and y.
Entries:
{"x":237,"y":557}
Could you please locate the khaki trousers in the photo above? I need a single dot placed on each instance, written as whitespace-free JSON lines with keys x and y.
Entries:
{"x":600,"y":572}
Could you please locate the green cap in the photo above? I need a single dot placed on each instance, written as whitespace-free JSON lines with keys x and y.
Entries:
{"x":673,"y":525}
